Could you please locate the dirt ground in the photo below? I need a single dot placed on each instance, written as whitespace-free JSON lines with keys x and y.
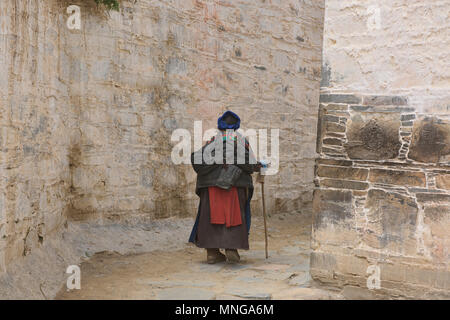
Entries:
{"x":184,"y":274}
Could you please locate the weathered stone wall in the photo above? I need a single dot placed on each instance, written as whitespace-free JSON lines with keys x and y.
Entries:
{"x":383,"y":195}
{"x":87,"y":114}
{"x":160,"y":65}
{"x":37,"y":126}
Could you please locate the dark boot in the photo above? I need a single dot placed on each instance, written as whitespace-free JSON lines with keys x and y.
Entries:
{"x":232,"y":255}
{"x":214,"y":256}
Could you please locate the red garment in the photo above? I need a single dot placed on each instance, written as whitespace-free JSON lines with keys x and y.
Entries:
{"x":224,"y":206}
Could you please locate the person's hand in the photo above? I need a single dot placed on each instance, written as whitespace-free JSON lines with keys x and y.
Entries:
{"x":264,"y":164}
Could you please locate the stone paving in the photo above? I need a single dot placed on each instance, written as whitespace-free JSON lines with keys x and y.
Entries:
{"x":184,"y":273}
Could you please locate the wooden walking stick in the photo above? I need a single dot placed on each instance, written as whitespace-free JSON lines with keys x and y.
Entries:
{"x":261,"y":180}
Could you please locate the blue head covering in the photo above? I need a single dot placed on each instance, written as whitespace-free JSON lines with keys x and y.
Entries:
{"x":223,"y":123}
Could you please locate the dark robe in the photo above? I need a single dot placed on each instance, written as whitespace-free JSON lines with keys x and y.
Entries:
{"x":208,"y":235}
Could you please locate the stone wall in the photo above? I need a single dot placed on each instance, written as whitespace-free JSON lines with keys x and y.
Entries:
{"x":383,"y":174}
{"x":160,"y":65}
{"x":38,"y":126}
{"x":87,"y":114}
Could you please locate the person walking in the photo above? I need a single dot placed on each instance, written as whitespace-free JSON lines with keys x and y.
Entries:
{"x":225,"y":190}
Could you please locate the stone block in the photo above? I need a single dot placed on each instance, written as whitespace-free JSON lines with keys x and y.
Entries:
{"x":392,"y":221}
{"x":385,"y":100}
{"x":344,"y":184}
{"x":330,"y":118}
{"x":334,"y":127}
{"x":330,"y":150}
{"x":331,"y":207}
{"x":398,"y":177}
{"x":334,"y":107}
{"x":372,"y":137}
{"x":332,"y":141}
{"x":381,"y":109}
{"x":443,"y":181}
{"x":340,"y":98}
{"x":341,"y":163}
{"x":342,"y":172}
{"x":430,"y":140}
{"x":433,"y":197}
{"x":407,"y":117}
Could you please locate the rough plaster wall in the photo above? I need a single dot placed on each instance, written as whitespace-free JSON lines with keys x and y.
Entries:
{"x":384,"y":142}
{"x":408,"y":55}
{"x":36,"y":127}
{"x":87,"y":114}
{"x":160,"y":65}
